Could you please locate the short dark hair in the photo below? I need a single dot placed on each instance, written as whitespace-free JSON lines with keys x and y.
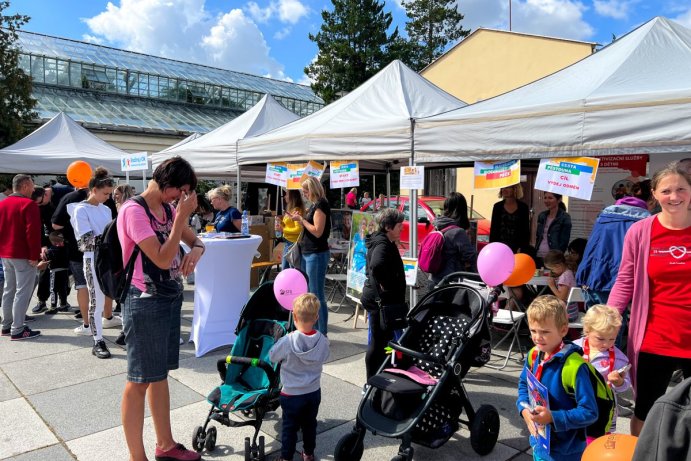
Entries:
{"x":38,"y":193}
{"x":175,"y":172}
{"x":19,"y":180}
{"x":456,"y":208}
{"x":101,"y":179}
{"x":388,"y":218}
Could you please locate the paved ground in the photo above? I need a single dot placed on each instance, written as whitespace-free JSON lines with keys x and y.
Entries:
{"x":58,"y":402}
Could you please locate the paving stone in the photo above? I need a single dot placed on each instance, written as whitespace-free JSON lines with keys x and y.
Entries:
{"x":22,"y":429}
{"x":7,"y":390}
{"x":52,"y":453}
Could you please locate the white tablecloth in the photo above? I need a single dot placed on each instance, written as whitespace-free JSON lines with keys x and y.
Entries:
{"x":221,"y":289}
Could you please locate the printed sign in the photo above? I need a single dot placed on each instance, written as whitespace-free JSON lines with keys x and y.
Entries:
{"x":277,"y":174}
{"x":314,"y":169}
{"x":493,"y":175}
{"x":294,"y":179}
{"x":344,"y":174}
{"x":412,"y":177}
{"x":537,"y":393}
{"x":573,"y":177}
{"x":410,"y":268}
{"x":134,"y":162}
{"x":362,"y":225}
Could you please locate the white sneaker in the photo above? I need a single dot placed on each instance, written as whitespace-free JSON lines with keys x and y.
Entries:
{"x":115,"y":322}
{"x":82,"y":330}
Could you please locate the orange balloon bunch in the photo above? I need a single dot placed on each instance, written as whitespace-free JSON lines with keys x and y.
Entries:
{"x":611,"y":447}
{"x":523,"y":270}
{"x":79,"y":174}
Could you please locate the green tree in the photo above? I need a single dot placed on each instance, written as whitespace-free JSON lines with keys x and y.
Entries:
{"x":353,"y":46}
{"x":16,"y":103}
{"x":432,"y":25}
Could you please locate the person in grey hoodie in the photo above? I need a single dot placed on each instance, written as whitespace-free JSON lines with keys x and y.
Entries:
{"x":301,"y":355}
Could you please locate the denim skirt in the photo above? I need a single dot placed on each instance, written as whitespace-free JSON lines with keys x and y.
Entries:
{"x":152,"y":334}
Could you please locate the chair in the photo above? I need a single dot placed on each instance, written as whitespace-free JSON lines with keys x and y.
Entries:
{"x":576,"y":296}
{"x":513,"y":320}
{"x":266,"y":266}
{"x":338,"y":283}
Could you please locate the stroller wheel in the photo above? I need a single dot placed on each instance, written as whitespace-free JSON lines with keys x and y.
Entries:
{"x":484,"y":429}
{"x":406,"y":455}
{"x":350,"y":447}
{"x":248,"y":449}
{"x":210,"y":443}
{"x":262,"y":455}
{"x":198,"y":439}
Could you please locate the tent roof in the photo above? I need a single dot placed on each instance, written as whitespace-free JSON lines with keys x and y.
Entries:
{"x":53,"y":146}
{"x":632,"y":96}
{"x":372,"y":122}
{"x":214,"y":154}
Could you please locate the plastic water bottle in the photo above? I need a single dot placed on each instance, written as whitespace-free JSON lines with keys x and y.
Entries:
{"x":245,"y":228}
{"x":277,"y":228}
{"x":196,"y":224}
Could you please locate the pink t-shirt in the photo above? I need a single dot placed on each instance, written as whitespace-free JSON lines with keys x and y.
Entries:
{"x":134,"y":226}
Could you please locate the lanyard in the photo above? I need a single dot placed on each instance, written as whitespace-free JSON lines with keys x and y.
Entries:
{"x":538,"y":372}
{"x":586,"y":354}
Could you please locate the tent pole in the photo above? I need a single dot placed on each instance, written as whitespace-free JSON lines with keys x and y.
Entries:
{"x":412,"y":234}
{"x":238,"y":192}
{"x":388,"y":184}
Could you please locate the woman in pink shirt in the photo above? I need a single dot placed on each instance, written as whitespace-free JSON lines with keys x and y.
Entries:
{"x":653,"y":276}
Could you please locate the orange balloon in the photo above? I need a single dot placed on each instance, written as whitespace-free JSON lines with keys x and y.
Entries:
{"x":523,"y":270}
{"x":611,"y":447}
{"x":79,"y":174}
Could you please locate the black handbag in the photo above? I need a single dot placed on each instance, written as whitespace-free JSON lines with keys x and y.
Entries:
{"x":392,"y":316}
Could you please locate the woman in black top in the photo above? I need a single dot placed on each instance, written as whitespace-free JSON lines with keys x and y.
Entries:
{"x":511,"y":219}
{"x":314,"y":244}
{"x":385,"y":268}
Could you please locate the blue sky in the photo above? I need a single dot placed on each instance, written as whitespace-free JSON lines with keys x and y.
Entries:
{"x":269,"y":37}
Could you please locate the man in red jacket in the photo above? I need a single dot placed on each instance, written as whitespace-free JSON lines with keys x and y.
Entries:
{"x":20,"y":249}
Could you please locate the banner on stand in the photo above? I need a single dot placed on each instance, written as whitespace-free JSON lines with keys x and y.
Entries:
{"x":294,"y":178}
{"x":277,"y":174}
{"x":410,"y":269}
{"x":362,"y":225}
{"x":344,"y":174}
{"x":134,"y":162}
{"x":570,"y":176}
{"x":494,"y":175}
{"x":314,"y":169}
{"x":412,"y":177}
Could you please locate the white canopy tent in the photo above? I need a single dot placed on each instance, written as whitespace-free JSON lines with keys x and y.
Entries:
{"x":633,"y":96}
{"x":214,"y":154}
{"x":189,"y":138}
{"x":53,"y":146}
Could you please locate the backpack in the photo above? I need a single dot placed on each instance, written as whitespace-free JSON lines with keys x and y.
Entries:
{"x":604,"y":395}
{"x":431,"y":254}
{"x":112,"y":276}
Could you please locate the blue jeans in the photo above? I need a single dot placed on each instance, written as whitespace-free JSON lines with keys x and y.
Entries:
{"x":284,"y":261}
{"x":314,"y":265}
{"x":299,"y":413}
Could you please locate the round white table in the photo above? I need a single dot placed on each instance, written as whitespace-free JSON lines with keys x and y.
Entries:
{"x":221,"y":289}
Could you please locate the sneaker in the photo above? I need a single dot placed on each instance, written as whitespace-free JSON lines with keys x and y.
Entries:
{"x":26,"y":333}
{"x":178,"y":452}
{"x":306,"y":457}
{"x":100,"y":350}
{"x":117,"y":309}
{"x":78,"y":315}
{"x":40,"y":307}
{"x":51,"y":311}
{"x":6,"y":331}
{"x":82,"y":330}
{"x":113,"y":322}
{"x":64,"y":308}
{"x":120,"y":341}
{"x":29,"y":318}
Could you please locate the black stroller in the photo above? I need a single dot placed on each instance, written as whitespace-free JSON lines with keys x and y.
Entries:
{"x":250,"y":382}
{"x":419,"y":399}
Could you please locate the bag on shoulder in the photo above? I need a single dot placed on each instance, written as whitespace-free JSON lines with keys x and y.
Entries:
{"x":431,"y":254}
{"x":393,"y":316}
{"x":294,"y":253}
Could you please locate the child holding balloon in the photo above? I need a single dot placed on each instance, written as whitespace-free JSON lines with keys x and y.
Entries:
{"x":301,"y":355}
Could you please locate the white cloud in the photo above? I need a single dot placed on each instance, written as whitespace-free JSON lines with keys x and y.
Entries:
{"x":287,"y":11}
{"x":258,"y":13}
{"x":556,"y":18}
{"x":185,"y":30}
{"x":92,"y":39}
{"x":616,"y":9}
{"x":685,"y":18}
{"x":283,"y":33}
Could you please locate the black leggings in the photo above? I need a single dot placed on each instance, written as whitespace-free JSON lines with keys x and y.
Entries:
{"x":653,"y":375}
{"x":379,"y":339}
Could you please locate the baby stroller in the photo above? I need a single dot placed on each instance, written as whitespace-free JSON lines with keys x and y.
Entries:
{"x":420,"y":397}
{"x":250,"y":382}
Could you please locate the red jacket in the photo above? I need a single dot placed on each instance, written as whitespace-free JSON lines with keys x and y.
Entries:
{"x":20,"y":228}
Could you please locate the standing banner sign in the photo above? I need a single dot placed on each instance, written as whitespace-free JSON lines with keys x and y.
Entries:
{"x":362,"y":225}
{"x":314,"y":169}
{"x":344,"y":174}
{"x":277,"y":174}
{"x":294,"y":179}
{"x":412,"y":177}
{"x":494,"y":175}
{"x":410,"y":269}
{"x":570,"y":176}
{"x":134,"y":162}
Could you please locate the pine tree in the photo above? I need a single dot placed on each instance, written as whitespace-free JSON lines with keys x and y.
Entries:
{"x":353,"y":46}
{"x":16,"y":103}
{"x":433,"y":24}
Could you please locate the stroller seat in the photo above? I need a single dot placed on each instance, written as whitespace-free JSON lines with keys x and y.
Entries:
{"x":440,"y":337}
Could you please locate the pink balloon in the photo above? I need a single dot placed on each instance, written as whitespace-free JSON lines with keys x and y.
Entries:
{"x":289,"y":284}
{"x":495,"y":263}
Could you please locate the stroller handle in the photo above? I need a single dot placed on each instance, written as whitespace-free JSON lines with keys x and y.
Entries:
{"x":416,"y":354}
{"x":249,"y":361}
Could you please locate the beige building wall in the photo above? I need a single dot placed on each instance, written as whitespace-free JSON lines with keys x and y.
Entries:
{"x":491,"y":62}
{"x":138,"y":142}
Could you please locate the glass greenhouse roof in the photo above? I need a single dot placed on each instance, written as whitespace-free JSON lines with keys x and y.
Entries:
{"x":39,"y":44}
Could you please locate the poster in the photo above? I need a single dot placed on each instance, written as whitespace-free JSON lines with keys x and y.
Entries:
{"x":277,"y":174}
{"x":410,"y":268}
{"x":314,"y":169}
{"x":493,"y":175}
{"x":537,"y":393}
{"x":344,"y":174}
{"x":341,"y":223}
{"x":573,"y":177}
{"x":616,"y":174}
{"x":412,"y":177}
{"x":362,"y":225}
{"x":293,"y":180}
{"x":134,"y":162}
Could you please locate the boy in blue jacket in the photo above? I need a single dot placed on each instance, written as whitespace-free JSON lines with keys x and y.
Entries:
{"x":569,"y":413}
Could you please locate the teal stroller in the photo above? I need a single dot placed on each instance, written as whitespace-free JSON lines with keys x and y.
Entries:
{"x":250,"y":384}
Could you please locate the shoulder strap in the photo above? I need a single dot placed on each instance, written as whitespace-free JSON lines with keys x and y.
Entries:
{"x":452,"y":226}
